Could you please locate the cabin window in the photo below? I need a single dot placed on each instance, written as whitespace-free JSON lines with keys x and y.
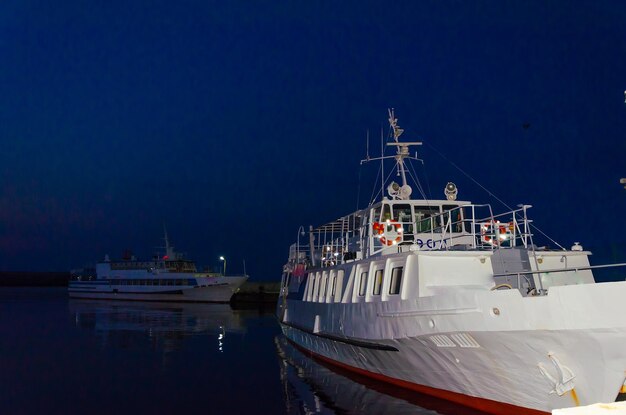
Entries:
{"x":376,"y":216}
{"x":396,"y":281}
{"x":338,"y":276}
{"x":324,"y":286}
{"x":402,"y":214}
{"x":179,"y":282}
{"x":316,"y":287}
{"x":309,"y":286}
{"x":312,"y":288}
{"x":424,"y":222}
{"x":386,"y":213}
{"x":378,"y":282}
{"x":362,"y":283}
{"x":312,"y":281}
{"x":455,"y":218}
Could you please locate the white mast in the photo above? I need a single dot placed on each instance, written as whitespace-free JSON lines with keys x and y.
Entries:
{"x":169,"y":250}
{"x":399,"y":192}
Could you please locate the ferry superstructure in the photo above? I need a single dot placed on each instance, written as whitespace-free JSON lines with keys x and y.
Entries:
{"x":169,"y":277}
{"x":448,"y":298}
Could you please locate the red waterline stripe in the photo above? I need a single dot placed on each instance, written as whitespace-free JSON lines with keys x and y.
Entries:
{"x":482,"y":404}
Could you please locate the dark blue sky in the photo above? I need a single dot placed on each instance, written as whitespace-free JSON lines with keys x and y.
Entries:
{"x":236,"y":122}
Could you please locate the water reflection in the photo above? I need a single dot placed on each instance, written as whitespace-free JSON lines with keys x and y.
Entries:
{"x":163,"y":326}
{"x":312,"y":387}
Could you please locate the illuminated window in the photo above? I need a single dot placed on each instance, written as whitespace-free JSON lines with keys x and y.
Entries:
{"x":396,"y":281}
{"x":316,"y":287}
{"x":323,"y":286}
{"x":378,"y":282}
{"x":363,"y":283}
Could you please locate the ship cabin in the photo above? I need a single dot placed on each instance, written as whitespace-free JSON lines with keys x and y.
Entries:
{"x":136,"y":269}
{"x":393,"y":226}
{"x":467,"y":235}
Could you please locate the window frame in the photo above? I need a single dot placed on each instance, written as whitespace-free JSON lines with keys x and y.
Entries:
{"x":377,"y":284}
{"x":395,"y":280}
{"x":363,"y":283}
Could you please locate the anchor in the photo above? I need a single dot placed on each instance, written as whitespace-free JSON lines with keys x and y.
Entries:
{"x":565,"y":376}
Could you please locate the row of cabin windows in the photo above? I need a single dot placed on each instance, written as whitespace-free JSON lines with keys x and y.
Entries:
{"x":323,"y":284}
{"x":170,"y":281}
{"x":420,"y":218}
{"x":320,"y":284}
{"x":394,"y":284}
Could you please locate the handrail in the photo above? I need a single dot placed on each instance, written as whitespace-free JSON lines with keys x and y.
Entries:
{"x":474,"y":225}
{"x":545,"y":271}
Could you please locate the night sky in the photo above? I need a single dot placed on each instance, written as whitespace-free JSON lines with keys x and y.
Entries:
{"x":233,"y":123}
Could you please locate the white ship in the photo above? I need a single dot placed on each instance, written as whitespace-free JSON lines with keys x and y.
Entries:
{"x":170,"y":277}
{"x":448,"y":298}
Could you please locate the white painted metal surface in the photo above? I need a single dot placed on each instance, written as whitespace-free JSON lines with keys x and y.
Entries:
{"x":165,"y":278}
{"x":447,"y":298}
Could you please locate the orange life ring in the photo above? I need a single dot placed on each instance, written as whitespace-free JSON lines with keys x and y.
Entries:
{"x":389,"y":232}
{"x":489,"y":237}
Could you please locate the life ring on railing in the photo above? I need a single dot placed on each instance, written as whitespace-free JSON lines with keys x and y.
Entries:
{"x":389,"y":232}
{"x":493,"y":237}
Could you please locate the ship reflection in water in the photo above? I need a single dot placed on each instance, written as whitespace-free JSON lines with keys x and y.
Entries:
{"x":311,"y":387}
{"x":162,"y":326}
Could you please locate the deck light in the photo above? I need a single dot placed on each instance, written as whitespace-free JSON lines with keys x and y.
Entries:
{"x":223,"y":259}
{"x":451,"y":191}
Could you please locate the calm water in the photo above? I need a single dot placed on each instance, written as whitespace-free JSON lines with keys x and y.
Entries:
{"x":79,"y":356}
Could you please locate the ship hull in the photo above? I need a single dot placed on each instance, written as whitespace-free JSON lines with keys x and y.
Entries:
{"x":515,"y":362}
{"x":214,"y":293}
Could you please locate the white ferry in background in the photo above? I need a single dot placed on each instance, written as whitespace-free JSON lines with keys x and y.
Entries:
{"x":170,"y":277}
{"x":447,"y":298}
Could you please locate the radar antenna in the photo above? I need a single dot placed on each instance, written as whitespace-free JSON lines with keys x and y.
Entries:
{"x":396,"y":191}
{"x":400,"y":192}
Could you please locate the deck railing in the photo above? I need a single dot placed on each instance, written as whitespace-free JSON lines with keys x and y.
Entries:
{"x":463,"y":227}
